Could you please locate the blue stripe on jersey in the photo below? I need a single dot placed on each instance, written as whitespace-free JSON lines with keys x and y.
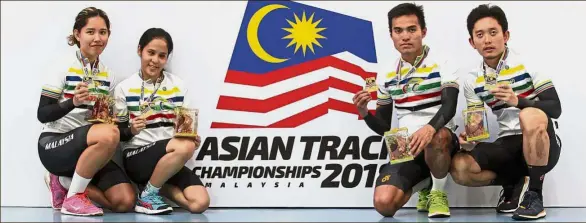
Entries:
{"x":176,"y":99}
{"x":516,"y":79}
{"x":132,"y":98}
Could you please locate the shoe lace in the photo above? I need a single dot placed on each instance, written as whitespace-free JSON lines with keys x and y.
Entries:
{"x":438,"y":198}
{"x":423,"y":198}
{"x":528,"y":199}
{"x":155,"y":199}
{"x":84,"y":198}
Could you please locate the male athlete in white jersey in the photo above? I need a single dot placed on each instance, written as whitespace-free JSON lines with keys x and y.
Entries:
{"x":424,"y":91}
{"x":526,"y":105}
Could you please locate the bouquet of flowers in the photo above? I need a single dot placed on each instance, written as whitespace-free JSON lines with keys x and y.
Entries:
{"x":101,"y":110}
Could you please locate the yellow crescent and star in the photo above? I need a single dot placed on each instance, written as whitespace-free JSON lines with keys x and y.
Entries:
{"x":303,"y":33}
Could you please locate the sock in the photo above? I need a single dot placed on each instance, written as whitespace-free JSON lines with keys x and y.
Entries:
{"x":438,"y":184}
{"x":65,"y":182}
{"x":536,"y":175}
{"x":78,"y":185}
{"x":149,"y":189}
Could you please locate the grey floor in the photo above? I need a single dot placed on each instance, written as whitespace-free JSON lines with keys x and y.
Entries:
{"x":288,"y":215}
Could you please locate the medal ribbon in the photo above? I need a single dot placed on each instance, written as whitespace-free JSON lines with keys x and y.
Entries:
{"x":157,"y":84}
{"x":500,"y":65}
{"x":418,"y":61}
{"x":85,"y":64}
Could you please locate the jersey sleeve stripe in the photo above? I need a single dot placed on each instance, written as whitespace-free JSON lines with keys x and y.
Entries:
{"x":450,"y":84}
{"x":542,"y":86}
{"x":50,"y":94}
{"x":122,"y":118}
{"x":384,"y":101}
{"x":544,"y":82}
{"x":52,"y":89}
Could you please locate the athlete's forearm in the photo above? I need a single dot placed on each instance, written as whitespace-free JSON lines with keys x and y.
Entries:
{"x":51,"y":110}
{"x":448,"y":108}
{"x":549,"y":102}
{"x":381,"y":121}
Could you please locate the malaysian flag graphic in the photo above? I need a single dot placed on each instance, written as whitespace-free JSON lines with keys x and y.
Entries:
{"x":293,"y":63}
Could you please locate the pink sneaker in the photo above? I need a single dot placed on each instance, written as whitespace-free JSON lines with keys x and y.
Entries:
{"x":58,"y":192}
{"x":80,"y":205}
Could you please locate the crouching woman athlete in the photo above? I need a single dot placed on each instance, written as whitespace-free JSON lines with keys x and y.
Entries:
{"x":69,"y":146}
{"x":152,"y":156}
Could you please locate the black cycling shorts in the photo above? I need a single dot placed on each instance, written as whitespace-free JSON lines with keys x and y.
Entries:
{"x":59,"y":153}
{"x":505,"y":155}
{"x":140,"y":164}
{"x":408,"y":174}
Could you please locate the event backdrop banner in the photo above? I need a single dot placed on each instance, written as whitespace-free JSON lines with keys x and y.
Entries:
{"x":274,"y":82}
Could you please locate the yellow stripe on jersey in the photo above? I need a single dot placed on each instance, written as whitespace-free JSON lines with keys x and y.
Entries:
{"x":419,"y":70}
{"x":79,"y":71}
{"x":159,"y":92}
{"x":506,"y":72}
{"x":512,"y":70}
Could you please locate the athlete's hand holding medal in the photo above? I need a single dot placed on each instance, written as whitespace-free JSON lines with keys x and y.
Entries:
{"x":361,"y":100}
{"x":90,"y":72}
{"x":81,"y":94}
{"x":504,"y":92}
{"x":138,"y":123}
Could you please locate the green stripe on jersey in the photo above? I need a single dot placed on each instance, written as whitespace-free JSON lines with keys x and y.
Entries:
{"x":420,"y":88}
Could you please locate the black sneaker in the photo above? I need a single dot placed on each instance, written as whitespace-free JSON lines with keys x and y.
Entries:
{"x":531,"y":207}
{"x":510,"y":196}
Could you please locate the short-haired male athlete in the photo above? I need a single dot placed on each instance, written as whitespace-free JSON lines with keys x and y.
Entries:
{"x":526,"y":105}
{"x":424,"y":92}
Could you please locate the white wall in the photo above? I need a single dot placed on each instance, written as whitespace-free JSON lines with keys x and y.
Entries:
{"x":33,"y":33}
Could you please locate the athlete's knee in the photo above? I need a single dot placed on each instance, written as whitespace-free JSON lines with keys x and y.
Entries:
{"x":123,"y":203}
{"x":184,"y":148}
{"x":441,"y":139}
{"x":387,"y":202}
{"x":532,"y":120}
{"x":200,"y":205}
{"x":107,"y":135}
{"x":460,"y":168}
